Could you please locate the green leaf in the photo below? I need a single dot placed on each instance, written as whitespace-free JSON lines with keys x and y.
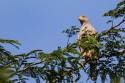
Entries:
{"x":12,"y":42}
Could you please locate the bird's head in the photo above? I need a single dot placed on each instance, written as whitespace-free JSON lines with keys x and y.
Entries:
{"x":83,"y":19}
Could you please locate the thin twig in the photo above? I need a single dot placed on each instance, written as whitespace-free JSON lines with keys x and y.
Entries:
{"x":119,"y":23}
{"x":113,"y":27}
{"x":32,"y":64}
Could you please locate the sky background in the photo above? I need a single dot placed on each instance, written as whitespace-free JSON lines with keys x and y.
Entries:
{"x":38,"y":24}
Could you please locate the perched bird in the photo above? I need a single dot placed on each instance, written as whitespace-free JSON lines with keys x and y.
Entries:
{"x":86,"y":46}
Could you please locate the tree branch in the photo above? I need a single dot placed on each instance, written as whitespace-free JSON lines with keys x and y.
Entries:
{"x":112,"y":27}
{"x":119,"y":23}
{"x":32,"y":64}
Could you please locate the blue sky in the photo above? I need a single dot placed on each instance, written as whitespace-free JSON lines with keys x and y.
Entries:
{"x":38,"y":24}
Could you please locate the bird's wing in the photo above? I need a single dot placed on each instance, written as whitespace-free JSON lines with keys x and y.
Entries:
{"x":88,"y":28}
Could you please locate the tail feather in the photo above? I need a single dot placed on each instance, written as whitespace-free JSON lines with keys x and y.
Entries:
{"x":93,"y":71}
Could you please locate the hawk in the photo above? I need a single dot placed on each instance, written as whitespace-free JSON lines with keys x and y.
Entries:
{"x":86,"y":46}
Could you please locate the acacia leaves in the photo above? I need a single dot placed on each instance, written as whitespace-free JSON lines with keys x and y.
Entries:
{"x":119,"y":11}
{"x":12,"y":42}
{"x":71,"y":31}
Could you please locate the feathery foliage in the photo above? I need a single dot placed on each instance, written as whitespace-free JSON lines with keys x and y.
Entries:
{"x":64,"y":64}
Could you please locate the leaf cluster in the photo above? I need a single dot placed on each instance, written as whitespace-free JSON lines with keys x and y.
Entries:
{"x":119,"y":11}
